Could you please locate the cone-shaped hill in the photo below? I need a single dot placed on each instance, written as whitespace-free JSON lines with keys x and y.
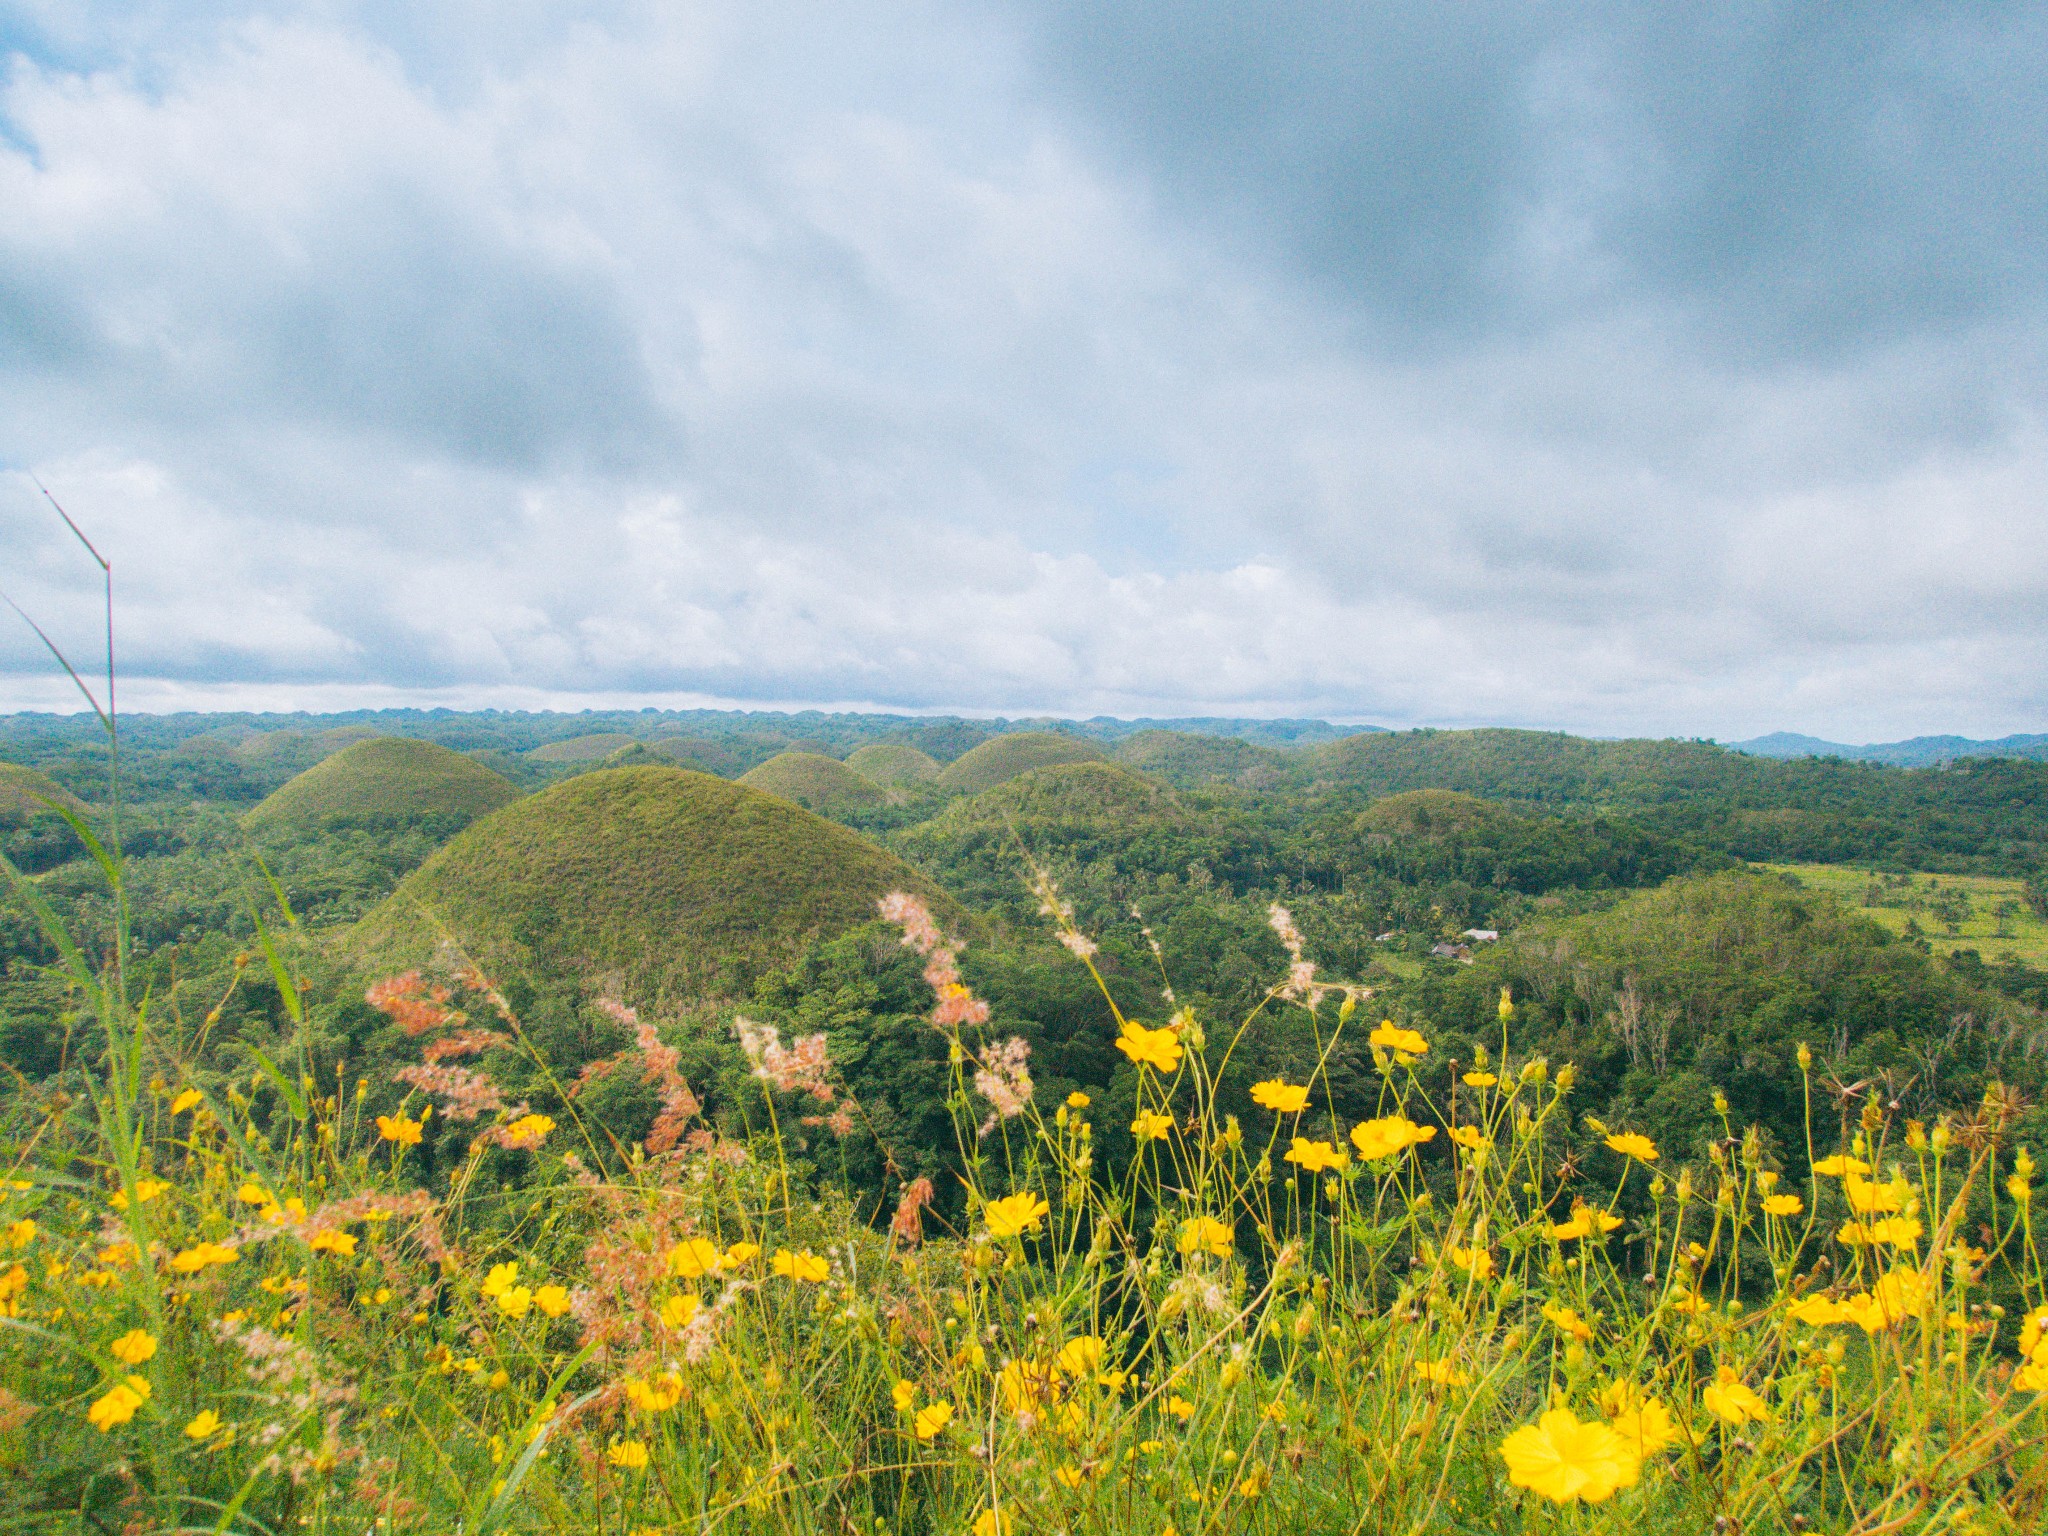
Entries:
{"x":666,"y":879}
{"x":1430,"y":813}
{"x":584,"y":749}
{"x":19,"y":791}
{"x":892,"y":763}
{"x":1186,"y":759}
{"x":1074,"y":814}
{"x":385,"y":781}
{"x":1002,"y":758}
{"x":815,"y":782}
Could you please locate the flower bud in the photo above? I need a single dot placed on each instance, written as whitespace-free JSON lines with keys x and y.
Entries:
{"x":1805,"y":1056}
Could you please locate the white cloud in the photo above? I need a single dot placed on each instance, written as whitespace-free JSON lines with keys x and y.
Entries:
{"x":762,"y":354}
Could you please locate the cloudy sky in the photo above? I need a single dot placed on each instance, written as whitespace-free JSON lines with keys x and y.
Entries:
{"x":1627,"y":368}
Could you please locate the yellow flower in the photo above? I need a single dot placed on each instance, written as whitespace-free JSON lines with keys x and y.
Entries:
{"x":2019,"y":1189}
{"x":1078,"y":1100}
{"x":656,"y":1396}
{"x":1585,"y":1222}
{"x":1566,"y":1461}
{"x":1315,"y":1156}
{"x":1729,"y":1399}
{"x":553,"y":1300}
{"x":515,"y":1302}
{"x":21,"y":1233}
{"x":204,"y":1427}
{"x":1631,"y":1144}
{"x":1376,"y":1139}
{"x":1569,"y":1322}
{"x":1156,"y":1048}
{"x":399,"y":1129}
{"x":692,"y":1257}
{"x":1281,"y":1097}
{"x":200,"y":1255}
{"x":627,"y":1453}
{"x":1868,"y":1199}
{"x":739,"y":1254}
{"x":119,"y":1405}
{"x":1180,"y":1407}
{"x":903,"y":1394}
{"x":991,"y":1523}
{"x":1480,"y":1079}
{"x":805,"y":1266}
{"x":528,"y":1130}
{"x":1469,"y":1137}
{"x":1205,"y":1233}
{"x":932,"y":1420}
{"x":677,"y":1311}
{"x":1079,"y":1357}
{"x":1818,"y":1312}
{"x":1150,"y":1126}
{"x":133,"y":1347}
{"x":1394,"y":1038}
{"x":1835,"y":1167}
{"x":255,"y":1194}
{"x":333,"y":1240}
{"x":191,"y":1098}
{"x":1644,"y":1423}
{"x":501,"y":1279}
{"x":1442,"y":1372}
{"x":1476,"y":1262}
{"x":1015,"y":1214}
{"x":1783,"y":1205}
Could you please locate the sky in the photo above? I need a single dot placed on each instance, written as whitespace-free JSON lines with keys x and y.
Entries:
{"x":1614,"y":368}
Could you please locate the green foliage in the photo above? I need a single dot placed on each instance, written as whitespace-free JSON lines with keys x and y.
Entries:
{"x":383,"y":781}
{"x":815,"y":782}
{"x":672,"y":881}
{"x":26,"y":794}
{"x":584,"y":749}
{"x":893,"y":763}
{"x":1001,"y":759}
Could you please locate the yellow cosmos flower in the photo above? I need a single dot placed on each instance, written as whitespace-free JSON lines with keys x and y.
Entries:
{"x":991,"y":1522}
{"x":1078,"y":1100}
{"x":630,"y":1454}
{"x":1818,"y":1312}
{"x":1282,"y":1097}
{"x":1644,"y":1423}
{"x":739,"y":1254}
{"x":677,"y":1311}
{"x":1566,"y":1461}
{"x":1199,"y":1234}
{"x":1730,"y":1399}
{"x":1015,"y":1214}
{"x":1783,"y":1205}
{"x":1316,"y":1156}
{"x":399,"y":1129}
{"x":1150,"y":1126}
{"x":255,"y":1194}
{"x":1569,"y":1322}
{"x":1835,"y":1167}
{"x":333,"y":1240}
{"x":200,"y":1255}
{"x":529,"y":1130}
{"x":1470,"y":1137}
{"x":1394,"y":1038}
{"x":1585,"y":1222}
{"x":1868,"y":1199}
{"x":1180,"y":1407}
{"x":118,"y":1405}
{"x":502,"y":1278}
{"x":1631,"y":1144}
{"x":931,"y":1420}
{"x":692,"y":1257}
{"x":1376,"y":1139}
{"x":133,"y":1347}
{"x":805,"y":1266}
{"x":903,"y":1394}
{"x":1156,"y":1048}
{"x":191,"y":1098}
{"x":1079,"y":1357}
{"x":553,"y":1300}
{"x":515,"y":1302}
{"x":1480,"y":1079}
{"x":205,"y":1426}
{"x":1442,"y":1373}
{"x":655,"y":1396}
{"x":1476,"y":1262}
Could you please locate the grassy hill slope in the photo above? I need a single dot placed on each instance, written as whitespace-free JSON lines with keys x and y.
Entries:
{"x":19,"y":788}
{"x":583,"y":749}
{"x":999,"y":760}
{"x":893,"y":763}
{"x":387,"y":780}
{"x":815,"y":782}
{"x":1186,"y":759}
{"x":671,"y":880}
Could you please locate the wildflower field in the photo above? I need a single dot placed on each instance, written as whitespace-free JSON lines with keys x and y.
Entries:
{"x":236,"y":1302}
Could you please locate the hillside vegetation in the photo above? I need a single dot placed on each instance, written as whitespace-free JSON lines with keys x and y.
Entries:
{"x":25,"y":793}
{"x":1002,"y":758}
{"x":669,"y":880}
{"x":385,"y":780}
{"x":892,"y":763}
{"x":818,"y":783}
{"x":584,"y":749}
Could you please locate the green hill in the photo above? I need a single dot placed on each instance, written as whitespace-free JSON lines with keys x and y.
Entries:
{"x":19,"y":789}
{"x":584,"y":749}
{"x":1001,"y":759}
{"x":815,"y":782}
{"x":1187,"y":759}
{"x":670,"y":880}
{"x":892,"y":763}
{"x":1430,"y":813}
{"x":386,"y":780}
{"x":725,"y":756}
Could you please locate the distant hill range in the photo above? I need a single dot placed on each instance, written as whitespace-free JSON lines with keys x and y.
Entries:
{"x":1920,"y":752}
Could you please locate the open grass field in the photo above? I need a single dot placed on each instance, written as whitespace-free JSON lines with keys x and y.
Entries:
{"x":1953,"y":912}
